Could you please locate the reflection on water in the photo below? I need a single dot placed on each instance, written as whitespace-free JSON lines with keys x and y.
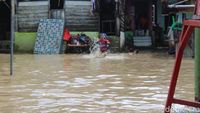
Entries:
{"x":118,"y":83}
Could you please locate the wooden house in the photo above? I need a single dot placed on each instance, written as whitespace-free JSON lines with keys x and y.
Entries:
{"x":77,"y":14}
{"x":114,"y":17}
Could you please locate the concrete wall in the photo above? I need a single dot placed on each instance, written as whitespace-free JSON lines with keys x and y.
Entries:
{"x":25,"y":41}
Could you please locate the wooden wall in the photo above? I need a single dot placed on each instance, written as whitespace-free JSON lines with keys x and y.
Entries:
{"x":29,"y":14}
{"x":78,"y":16}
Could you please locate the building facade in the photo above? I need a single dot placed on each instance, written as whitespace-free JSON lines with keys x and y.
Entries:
{"x":77,"y":14}
{"x":109,"y":16}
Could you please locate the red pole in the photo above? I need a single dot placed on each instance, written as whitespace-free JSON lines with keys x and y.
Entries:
{"x":186,"y":33}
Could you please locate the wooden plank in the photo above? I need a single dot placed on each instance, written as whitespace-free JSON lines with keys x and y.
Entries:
{"x":70,"y":3}
{"x":77,"y":10}
{"x":82,"y":29}
{"x":83,"y":17}
{"x":80,"y":7}
{"x":78,"y":14}
{"x":30,"y":19}
{"x":82,"y":25}
{"x":28,"y":25}
{"x":77,"y":21}
{"x":32,"y":11}
{"x":29,"y":22}
{"x":28,"y":29}
{"x":34,"y":3}
{"x":37,"y":16}
{"x":21,"y":8}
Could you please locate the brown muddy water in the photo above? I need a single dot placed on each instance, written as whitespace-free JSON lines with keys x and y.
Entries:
{"x":118,"y":83}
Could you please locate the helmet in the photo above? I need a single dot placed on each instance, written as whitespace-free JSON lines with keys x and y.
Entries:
{"x":103,"y":35}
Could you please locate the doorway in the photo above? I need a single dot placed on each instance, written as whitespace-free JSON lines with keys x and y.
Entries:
{"x":5,"y":20}
{"x":5,"y":25}
{"x":107,"y":17}
{"x":57,"y":4}
{"x":143,"y":23}
{"x":142,"y":18}
{"x":56,"y":10}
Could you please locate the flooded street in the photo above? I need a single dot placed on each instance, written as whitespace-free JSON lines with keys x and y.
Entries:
{"x":119,"y":83}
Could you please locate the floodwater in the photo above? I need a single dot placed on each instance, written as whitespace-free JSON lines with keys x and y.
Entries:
{"x":118,"y":83}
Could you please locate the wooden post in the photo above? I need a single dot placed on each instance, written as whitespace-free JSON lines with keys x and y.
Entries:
{"x":117,"y":18}
{"x":49,"y":9}
{"x":197,"y":51}
{"x":197,"y":64}
{"x":12,"y":35}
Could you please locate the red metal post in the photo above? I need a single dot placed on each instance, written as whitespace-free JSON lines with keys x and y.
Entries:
{"x":187,"y":31}
{"x":188,"y":28}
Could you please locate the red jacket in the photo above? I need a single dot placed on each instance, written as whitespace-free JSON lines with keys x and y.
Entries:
{"x":103,"y":41}
{"x":66,"y":36}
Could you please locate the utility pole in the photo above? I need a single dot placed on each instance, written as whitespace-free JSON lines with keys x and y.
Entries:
{"x":12,"y":35}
